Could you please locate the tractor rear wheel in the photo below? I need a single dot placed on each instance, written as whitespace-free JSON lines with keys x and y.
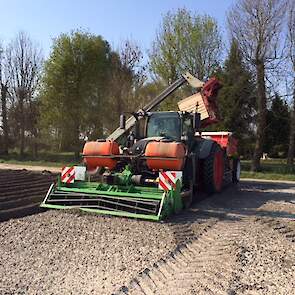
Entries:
{"x":213,"y":170}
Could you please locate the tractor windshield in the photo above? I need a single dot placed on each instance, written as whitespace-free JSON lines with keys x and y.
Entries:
{"x":164,"y":124}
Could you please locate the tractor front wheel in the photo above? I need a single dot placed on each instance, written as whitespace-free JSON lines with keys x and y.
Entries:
{"x":213,"y":170}
{"x":187,"y":199}
{"x":236,"y":170}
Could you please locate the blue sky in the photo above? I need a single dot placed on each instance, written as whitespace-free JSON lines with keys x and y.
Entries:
{"x":114,"y":20}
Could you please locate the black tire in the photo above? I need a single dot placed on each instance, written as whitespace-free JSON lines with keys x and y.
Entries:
{"x":187,"y":199}
{"x":236,"y":171}
{"x":209,"y":180}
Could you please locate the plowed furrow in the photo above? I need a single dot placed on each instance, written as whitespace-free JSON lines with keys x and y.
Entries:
{"x":19,"y":184}
{"x":13,"y":177}
{"x":15,"y":203}
{"x":13,"y":189}
{"x":21,"y":192}
{"x":24,"y":192}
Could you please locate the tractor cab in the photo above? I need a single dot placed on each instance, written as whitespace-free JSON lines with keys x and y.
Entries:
{"x":169,"y":126}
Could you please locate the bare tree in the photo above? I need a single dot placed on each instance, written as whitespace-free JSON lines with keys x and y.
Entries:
{"x":4,"y":83}
{"x":24,"y":66}
{"x":257,"y":26}
{"x":131,"y":57}
{"x":291,"y":57}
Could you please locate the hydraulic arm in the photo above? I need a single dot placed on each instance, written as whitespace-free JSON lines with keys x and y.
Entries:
{"x":185,"y":78}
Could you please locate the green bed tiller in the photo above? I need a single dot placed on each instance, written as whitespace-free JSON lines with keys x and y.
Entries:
{"x":123,"y":199}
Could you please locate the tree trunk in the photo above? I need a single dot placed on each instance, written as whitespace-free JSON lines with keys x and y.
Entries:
{"x":4,"y":92}
{"x":290,"y":158}
{"x":77,"y":144}
{"x":261,"y":116}
{"x":35,"y":143}
{"x":35,"y":150}
{"x":22,"y":128}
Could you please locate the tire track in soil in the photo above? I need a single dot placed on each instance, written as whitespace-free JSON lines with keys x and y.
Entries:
{"x":188,"y":225}
{"x":280,"y":226}
{"x":204,"y":265}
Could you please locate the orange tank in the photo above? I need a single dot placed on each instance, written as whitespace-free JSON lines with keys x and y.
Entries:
{"x":104,"y":148}
{"x":172,"y":152}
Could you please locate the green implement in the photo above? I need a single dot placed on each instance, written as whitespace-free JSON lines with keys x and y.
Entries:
{"x":119,"y":200}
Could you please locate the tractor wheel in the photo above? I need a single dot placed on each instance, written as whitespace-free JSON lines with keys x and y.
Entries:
{"x":187,"y":199}
{"x":236,"y":170}
{"x":214,"y":170}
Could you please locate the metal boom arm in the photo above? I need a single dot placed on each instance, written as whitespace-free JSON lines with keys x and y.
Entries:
{"x":187,"y":77}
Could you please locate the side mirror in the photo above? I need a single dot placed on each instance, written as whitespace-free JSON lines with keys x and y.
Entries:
{"x":136,"y":129}
{"x":122,"y":121}
{"x":196,"y":121}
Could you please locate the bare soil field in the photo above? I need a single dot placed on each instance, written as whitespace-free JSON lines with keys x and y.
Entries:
{"x":241,"y":241}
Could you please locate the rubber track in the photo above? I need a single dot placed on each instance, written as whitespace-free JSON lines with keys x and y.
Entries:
{"x":202,"y":266}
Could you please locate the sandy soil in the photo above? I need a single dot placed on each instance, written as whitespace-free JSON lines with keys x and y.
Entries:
{"x":239,"y":242}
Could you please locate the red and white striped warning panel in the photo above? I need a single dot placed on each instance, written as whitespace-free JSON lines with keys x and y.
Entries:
{"x":70,"y":174}
{"x":167,"y":179}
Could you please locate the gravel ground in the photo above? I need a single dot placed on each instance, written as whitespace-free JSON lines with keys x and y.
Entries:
{"x":60,"y":253}
{"x":250,"y":249}
{"x":267,"y":262}
{"x":239,"y":242}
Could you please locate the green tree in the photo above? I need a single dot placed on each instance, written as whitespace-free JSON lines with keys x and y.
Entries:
{"x":277,"y":128}
{"x":185,"y":42}
{"x":236,"y":99}
{"x":74,"y":85}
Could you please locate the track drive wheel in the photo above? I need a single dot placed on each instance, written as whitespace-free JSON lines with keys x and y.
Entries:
{"x":214,"y":170}
{"x":236,"y":170}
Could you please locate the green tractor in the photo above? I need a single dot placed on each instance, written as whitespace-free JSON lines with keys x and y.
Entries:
{"x":155,"y":164}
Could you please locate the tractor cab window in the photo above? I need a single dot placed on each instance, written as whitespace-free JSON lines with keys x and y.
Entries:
{"x":164,"y":125}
